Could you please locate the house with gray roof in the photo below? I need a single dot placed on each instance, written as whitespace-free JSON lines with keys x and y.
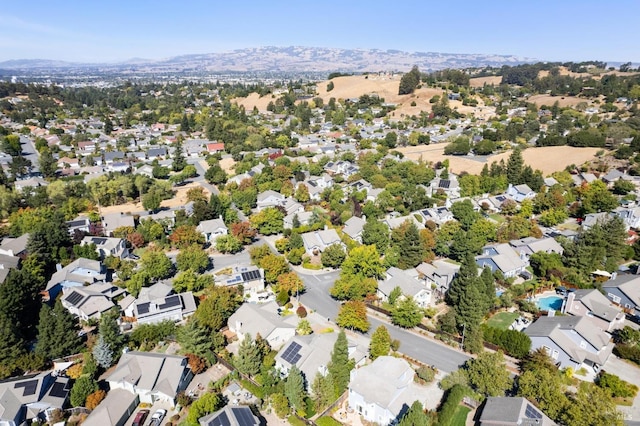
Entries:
{"x":623,"y":290}
{"x":310,"y":353}
{"x":571,"y":341}
{"x":303,"y":217}
{"x":114,"y":409}
{"x":629,"y":215}
{"x":254,"y":319}
{"x":315,"y":242}
{"x":31,"y":397}
{"x":113,"y":221}
{"x":212,"y":229}
{"x":107,"y":246}
{"x":91,"y":301}
{"x":439,"y":273}
{"x":76,"y":274}
{"x":503,"y":258}
{"x":230,"y":416}
{"x":161,"y":305}
{"x":408,"y":284}
{"x":438,"y":215}
{"x":269,"y":198}
{"x":512,"y":411}
{"x":520,"y":192}
{"x":529,"y":245}
{"x":151,"y":376}
{"x":7,"y":263}
{"x":595,"y":306}
{"x":14,"y":246}
{"x":353,"y":228}
{"x":383,"y":391}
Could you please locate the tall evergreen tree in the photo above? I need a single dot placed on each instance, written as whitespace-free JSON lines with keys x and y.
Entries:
{"x":489,"y":286}
{"x":467,"y":276}
{"x":57,"y":332}
{"x":340,"y":365}
{"x":179,"y":162}
{"x":294,"y":389}
{"x":102,"y":353}
{"x":380,"y":344}
{"x":415,"y":416}
{"x":249,"y":357}
{"x":323,"y":391}
{"x":110,"y":332}
{"x":515,"y":165}
{"x":407,"y":239}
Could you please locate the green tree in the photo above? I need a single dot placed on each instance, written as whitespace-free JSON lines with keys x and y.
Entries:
{"x":304,"y":328}
{"x":333,"y":256}
{"x":191,"y":281}
{"x":192,"y":258}
{"x":363,"y":261}
{"x":156,"y":264}
{"x":198,"y":339}
{"x":228,"y":244}
{"x":206,"y":404}
{"x":380,"y":344}
{"x":409,"y":81}
{"x":82,"y":388}
{"x":340,"y":366}
{"x":415,"y":416}
{"x":57,"y":332}
{"x":592,"y":406}
{"x":376,"y":233}
{"x":274,"y":266}
{"x":487,"y":374}
{"x":151,"y":200}
{"x":268,"y":221}
{"x":407,"y":313}
{"x":323,"y":391}
{"x":515,"y":164}
{"x":179,"y":162}
{"x":464,"y":213}
{"x":48,"y":164}
{"x":215,"y":175}
{"x":353,"y":315}
{"x":249,"y":357}
{"x":219,"y":304}
{"x":110,"y":332}
{"x":294,"y":389}
{"x":102,"y":353}
{"x":406,"y":238}
{"x":543,"y":387}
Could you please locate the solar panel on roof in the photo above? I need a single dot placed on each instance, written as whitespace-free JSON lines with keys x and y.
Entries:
{"x":243,"y":416}
{"x":143,"y":308}
{"x":445,"y":183}
{"x":74,"y":298}
{"x":220,"y":420}
{"x":291,"y":354}
{"x":251,"y":275}
{"x":29,"y":387}
{"x":170,"y":302}
{"x":59,"y":390}
{"x":532,"y":413}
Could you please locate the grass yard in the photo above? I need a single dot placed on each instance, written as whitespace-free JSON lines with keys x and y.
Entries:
{"x":460,"y":416}
{"x":502,"y":320}
{"x":497,"y":217}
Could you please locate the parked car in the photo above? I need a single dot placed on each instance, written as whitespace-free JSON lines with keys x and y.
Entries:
{"x":140,"y":418}
{"x":157,"y":417}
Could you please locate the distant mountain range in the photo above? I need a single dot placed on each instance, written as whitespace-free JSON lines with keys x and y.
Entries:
{"x":284,"y":59}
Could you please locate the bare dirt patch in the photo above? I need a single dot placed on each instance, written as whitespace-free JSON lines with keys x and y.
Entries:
{"x":547,"y":159}
{"x":228,"y":165}
{"x":563,"y":101}
{"x":179,"y":199}
{"x":254,"y":100}
{"x":481,"y":81}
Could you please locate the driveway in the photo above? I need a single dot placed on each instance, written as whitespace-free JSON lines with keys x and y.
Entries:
{"x":630,"y":373}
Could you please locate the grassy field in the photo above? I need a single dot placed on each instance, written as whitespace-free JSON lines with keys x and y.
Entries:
{"x":460,"y":416}
{"x":502,"y":320}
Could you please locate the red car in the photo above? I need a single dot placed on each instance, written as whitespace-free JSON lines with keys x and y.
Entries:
{"x":140,"y":418}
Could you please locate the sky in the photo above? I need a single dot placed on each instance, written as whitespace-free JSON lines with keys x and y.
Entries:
{"x":118,"y":30}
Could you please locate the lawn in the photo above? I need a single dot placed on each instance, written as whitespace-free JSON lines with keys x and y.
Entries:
{"x":497,"y":217}
{"x":460,"y":416}
{"x":502,"y":320}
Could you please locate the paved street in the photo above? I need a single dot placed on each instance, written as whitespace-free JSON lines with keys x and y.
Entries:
{"x":317,"y":297}
{"x":30,"y":153}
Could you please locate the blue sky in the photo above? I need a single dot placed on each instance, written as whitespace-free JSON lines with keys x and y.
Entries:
{"x":115,"y":30}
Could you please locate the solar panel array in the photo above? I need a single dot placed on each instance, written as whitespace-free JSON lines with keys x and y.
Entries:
{"x":220,"y":420}
{"x":73,"y":298}
{"x":251,"y":275}
{"x":292,"y":353}
{"x":170,"y":302}
{"x":59,"y":390}
{"x":243,"y":416}
{"x":29,"y":387}
{"x":445,"y":183}
{"x":532,"y":413}
{"x":143,"y":308}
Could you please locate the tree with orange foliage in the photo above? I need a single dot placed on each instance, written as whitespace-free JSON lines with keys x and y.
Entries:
{"x":95,"y":398}
{"x":243,"y":232}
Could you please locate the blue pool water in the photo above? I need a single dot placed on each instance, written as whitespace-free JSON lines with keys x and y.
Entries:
{"x":551,"y":302}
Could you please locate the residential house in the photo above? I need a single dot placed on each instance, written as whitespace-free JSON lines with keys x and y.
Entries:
{"x":493,"y":203}
{"x":409,"y":285}
{"x":310,"y":353}
{"x":344,"y":168}
{"x":520,"y":192}
{"x":14,"y":246}
{"x":360,"y":185}
{"x":251,"y":279}
{"x":393,"y":221}
{"x":269,"y":198}
{"x":80,"y":224}
{"x":89,"y":302}
{"x":113,"y":221}
{"x":438,"y":215}
{"x":107,"y":246}
{"x":254,"y":319}
{"x":623,"y":290}
{"x":593,"y":305}
{"x":157,"y":153}
{"x":32,"y":182}
{"x":592,"y":219}
{"x":383,"y":391}
{"x":76,"y":274}
{"x":315,"y":242}
{"x":449,"y":186}
{"x":373,"y":193}
{"x":213,"y":148}
{"x":629,"y":215}
{"x":512,"y":411}
{"x":503,"y":258}
{"x":303,"y":217}
{"x":353,"y":228}
{"x":438,"y":274}
{"x":230,"y":416}
{"x":114,"y":409}
{"x":30,"y":398}
{"x":66,"y":163}
{"x":7,"y":263}
{"x":212,"y":229}
{"x":529,"y":245}
{"x":113,"y":157}
{"x":166,"y":216}
{"x":151,"y":376}
{"x":175,"y":307}
{"x":291,"y":206}
{"x":571,"y":341}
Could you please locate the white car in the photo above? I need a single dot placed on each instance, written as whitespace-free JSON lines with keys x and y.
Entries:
{"x":157,"y":417}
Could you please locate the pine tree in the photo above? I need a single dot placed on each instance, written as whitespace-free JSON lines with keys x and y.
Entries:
{"x":249,"y":358}
{"x":185,"y":125}
{"x":407,"y":239}
{"x":415,"y":416}
{"x":179,"y":162}
{"x":57,"y":332}
{"x":380,"y":344}
{"x":340,"y":365}
{"x":102,"y":353}
{"x":489,"y":286}
{"x":515,"y":165}
{"x":467,"y":276}
{"x":323,"y":391}
{"x":110,"y":332}
{"x":294,"y":389}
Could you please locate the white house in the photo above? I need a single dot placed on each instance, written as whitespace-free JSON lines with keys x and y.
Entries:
{"x":353,"y":227}
{"x":520,"y":192}
{"x":315,"y":242}
{"x":91,"y":301}
{"x":256,"y":319}
{"x":107,"y":246}
{"x":212,"y":229}
{"x":504,"y":258}
{"x":409,"y":285}
{"x":382,"y":390}
{"x":269,"y":198}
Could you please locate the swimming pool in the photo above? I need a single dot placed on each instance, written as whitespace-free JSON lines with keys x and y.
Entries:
{"x":551,"y":302}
